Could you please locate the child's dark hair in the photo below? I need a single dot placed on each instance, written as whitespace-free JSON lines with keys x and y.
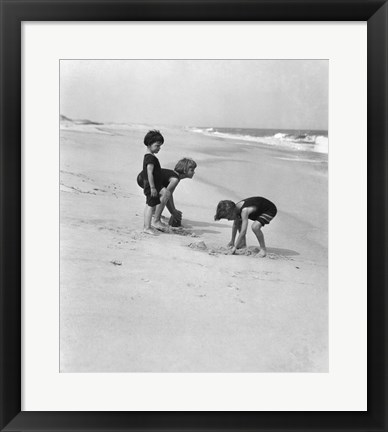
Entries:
{"x":225,"y":210}
{"x":183,"y":166}
{"x":153,"y":136}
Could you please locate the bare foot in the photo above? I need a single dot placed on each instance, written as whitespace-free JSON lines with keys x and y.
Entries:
{"x":262,"y":253}
{"x":159,"y":221}
{"x":160,"y":226}
{"x":149,"y":231}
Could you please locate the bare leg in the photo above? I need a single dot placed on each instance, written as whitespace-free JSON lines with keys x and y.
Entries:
{"x":256,"y":228}
{"x":147,"y":220}
{"x":164,"y":197}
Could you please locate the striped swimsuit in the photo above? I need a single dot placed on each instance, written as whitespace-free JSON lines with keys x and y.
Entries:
{"x":265,"y":209}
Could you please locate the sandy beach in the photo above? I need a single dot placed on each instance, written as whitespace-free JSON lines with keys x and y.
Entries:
{"x":176,"y":302}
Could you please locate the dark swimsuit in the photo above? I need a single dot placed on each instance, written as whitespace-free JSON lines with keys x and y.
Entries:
{"x":167,"y":174}
{"x":157,"y":174}
{"x":265,"y":209}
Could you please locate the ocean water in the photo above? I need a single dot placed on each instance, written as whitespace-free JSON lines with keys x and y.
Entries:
{"x":302,"y":140}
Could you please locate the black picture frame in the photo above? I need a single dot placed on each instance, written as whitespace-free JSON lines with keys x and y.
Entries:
{"x":13,"y":13}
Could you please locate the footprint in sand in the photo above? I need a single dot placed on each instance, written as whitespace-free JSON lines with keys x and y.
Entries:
{"x":233,"y":286}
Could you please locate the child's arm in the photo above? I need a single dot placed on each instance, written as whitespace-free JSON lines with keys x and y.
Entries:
{"x":235,"y":227}
{"x":243,"y":230}
{"x":171,"y":208}
{"x":170,"y":203}
{"x":150,"y":173}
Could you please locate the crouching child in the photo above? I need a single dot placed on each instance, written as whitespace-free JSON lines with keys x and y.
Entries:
{"x":258,"y":209}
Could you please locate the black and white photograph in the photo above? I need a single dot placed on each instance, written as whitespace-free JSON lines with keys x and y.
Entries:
{"x":193,"y":216}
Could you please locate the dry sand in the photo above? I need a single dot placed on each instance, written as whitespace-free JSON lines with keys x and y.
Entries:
{"x":130,"y":302}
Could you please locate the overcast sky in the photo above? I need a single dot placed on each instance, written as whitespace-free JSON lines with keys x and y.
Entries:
{"x":278,"y":94}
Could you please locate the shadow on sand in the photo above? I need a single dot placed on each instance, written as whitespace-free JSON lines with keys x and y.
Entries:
{"x":205,"y":224}
{"x":283,"y":252}
{"x":195,"y":224}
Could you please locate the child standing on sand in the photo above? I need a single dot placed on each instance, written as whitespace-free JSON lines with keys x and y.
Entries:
{"x":152,"y":174}
{"x":258,"y":209}
{"x":185,"y":168}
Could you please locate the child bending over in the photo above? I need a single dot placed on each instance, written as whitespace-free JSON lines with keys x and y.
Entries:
{"x":258,"y":209}
{"x":185,"y":168}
